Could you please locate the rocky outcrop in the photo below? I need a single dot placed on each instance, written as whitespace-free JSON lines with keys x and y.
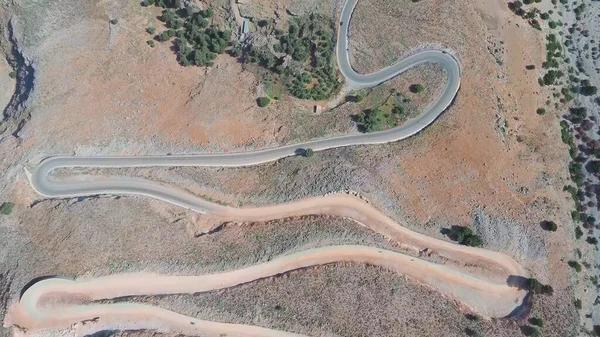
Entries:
{"x":25,"y":74}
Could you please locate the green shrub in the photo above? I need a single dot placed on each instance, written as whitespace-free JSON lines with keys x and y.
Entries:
{"x":587,"y":89}
{"x":12,"y":74}
{"x":263,"y":101}
{"x":541,"y":111}
{"x":578,"y":233}
{"x":577,"y":304}
{"x":151,"y":43}
{"x":575,"y":265}
{"x":7,"y":208}
{"x":416,"y":88}
{"x":114,"y":21}
{"x":309,"y":153}
{"x":536,"y":321}
{"x":151,"y":30}
{"x":164,"y":36}
{"x":550,"y":226}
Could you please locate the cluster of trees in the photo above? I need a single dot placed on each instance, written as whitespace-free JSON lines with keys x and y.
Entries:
{"x":310,"y":42}
{"x":465,"y":236}
{"x":198,"y":42}
{"x":530,"y":15}
{"x":307,"y":69}
{"x":371,"y":120}
{"x":376,"y":119}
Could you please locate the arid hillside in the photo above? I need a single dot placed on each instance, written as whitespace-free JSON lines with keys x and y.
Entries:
{"x":490,"y":163}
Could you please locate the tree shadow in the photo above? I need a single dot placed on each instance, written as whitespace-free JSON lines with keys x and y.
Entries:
{"x":517,"y":281}
{"x":548,"y":225}
{"x":452,"y":232}
{"x":527,"y":330}
{"x":358,"y":120}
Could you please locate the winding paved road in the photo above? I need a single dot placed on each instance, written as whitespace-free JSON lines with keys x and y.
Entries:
{"x":487,"y":294}
{"x":44,"y":186}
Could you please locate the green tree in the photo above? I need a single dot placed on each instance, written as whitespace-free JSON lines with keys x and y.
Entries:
{"x":263,"y":101}
{"x":208,"y":13}
{"x":372,"y":120}
{"x":416,"y":88}
{"x":164,"y":36}
{"x":309,"y":153}
{"x":473,"y":241}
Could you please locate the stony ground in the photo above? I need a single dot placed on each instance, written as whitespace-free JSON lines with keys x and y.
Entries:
{"x":490,"y":162}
